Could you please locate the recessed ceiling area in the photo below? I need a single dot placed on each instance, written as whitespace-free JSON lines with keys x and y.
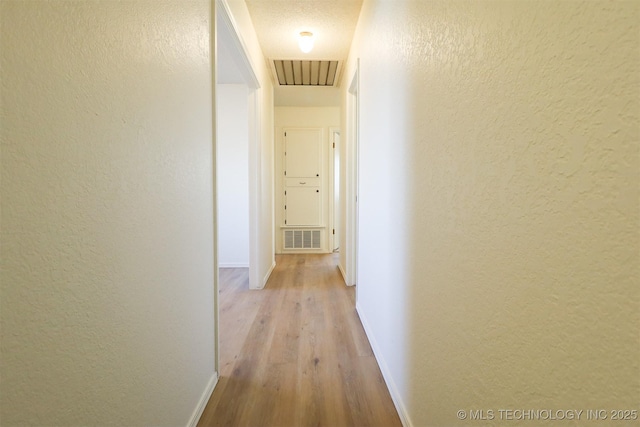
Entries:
{"x":278,"y":24}
{"x":305,"y":73}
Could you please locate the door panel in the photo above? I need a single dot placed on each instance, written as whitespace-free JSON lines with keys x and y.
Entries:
{"x":303,"y":153}
{"x":302,"y":206}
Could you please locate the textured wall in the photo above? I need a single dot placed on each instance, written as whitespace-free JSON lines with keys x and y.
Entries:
{"x":232,"y":172}
{"x":500,"y":178}
{"x":107,"y":212}
{"x":303,"y":117}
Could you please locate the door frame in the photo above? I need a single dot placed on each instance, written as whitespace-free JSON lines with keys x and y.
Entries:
{"x":334,"y":208}
{"x":281,"y":184}
{"x":351,"y":199}
{"x":226,"y":31}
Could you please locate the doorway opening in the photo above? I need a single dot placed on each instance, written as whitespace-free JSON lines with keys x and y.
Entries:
{"x":351,"y":197}
{"x":236,"y":158}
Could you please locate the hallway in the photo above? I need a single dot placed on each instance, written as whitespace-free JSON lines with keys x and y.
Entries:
{"x":295,"y":354}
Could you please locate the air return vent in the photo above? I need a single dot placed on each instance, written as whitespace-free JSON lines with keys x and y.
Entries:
{"x":302,"y":239}
{"x":306,"y":73}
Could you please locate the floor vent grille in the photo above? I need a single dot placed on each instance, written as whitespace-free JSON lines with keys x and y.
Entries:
{"x":302,"y":239}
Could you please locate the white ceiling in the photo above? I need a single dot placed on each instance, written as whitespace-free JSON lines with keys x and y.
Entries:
{"x":279,"y":22}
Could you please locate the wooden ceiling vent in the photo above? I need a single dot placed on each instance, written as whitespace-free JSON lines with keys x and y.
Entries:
{"x":306,"y":73}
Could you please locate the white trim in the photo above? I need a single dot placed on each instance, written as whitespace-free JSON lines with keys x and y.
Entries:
{"x":265,"y":279}
{"x":204,"y":399}
{"x":213,"y":42}
{"x":230,"y":29}
{"x":234,"y":265}
{"x":332,"y":186}
{"x":386,"y":374}
{"x":255,"y":174}
{"x":344,"y":275}
{"x":351,"y":180}
{"x":304,"y":251}
{"x":314,"y":227}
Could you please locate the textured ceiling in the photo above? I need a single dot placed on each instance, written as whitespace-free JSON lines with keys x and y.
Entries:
{"x":278,"y":23}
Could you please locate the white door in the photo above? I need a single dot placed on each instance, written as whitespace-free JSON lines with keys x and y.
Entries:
{"x":303,"y":153}
{"x":302,"y":166}
{"x":302,"y":206}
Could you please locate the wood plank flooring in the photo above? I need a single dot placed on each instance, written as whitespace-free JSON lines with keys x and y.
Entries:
{"x":295,"y":353}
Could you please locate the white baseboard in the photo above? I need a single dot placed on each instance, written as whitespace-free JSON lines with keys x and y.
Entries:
{"x":386,"y":374}
{"x":265,"y":279}
{"x":233,"y":265}
{"x":344,"y":275}
{"x":206,"y":395}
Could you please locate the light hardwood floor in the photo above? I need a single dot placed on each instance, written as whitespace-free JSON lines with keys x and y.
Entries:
{"x":295,"y":353}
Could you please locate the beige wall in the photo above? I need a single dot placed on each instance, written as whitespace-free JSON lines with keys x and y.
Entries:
{"x":107,"y":212}
{"x":499,"y":200}
{"x":325,"y":118}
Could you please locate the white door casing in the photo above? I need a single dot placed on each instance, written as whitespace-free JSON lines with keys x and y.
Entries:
{"x":335,"y":196}
{"x":351,"y":199}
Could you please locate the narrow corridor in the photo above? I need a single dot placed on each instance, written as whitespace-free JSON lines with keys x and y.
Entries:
{"x":295,"y":353}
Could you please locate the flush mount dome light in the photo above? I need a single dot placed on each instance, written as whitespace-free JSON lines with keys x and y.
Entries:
{"x":306,"y":41}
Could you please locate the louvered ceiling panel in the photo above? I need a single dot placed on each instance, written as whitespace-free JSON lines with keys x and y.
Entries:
{"x":280,"y":72}
{"x":315,"y":67}
{"x":333,"y":70}
{"x":288,"y":72}
{"x":297,"y":72}
{"x":322,"y":75}
{"x":306,"y":73}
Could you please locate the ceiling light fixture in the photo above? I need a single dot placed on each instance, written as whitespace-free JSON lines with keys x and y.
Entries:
{"x":306,"y":41}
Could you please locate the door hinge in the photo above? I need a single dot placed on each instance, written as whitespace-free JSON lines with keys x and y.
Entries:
{"x":334,"y":145}
{"x":285,"y":173}
{"x":334,"y":231}
{"x":285,"y":134}
{"x":285,"y":207}
{"x":285,"y":222}
{"x":285,"y":193}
